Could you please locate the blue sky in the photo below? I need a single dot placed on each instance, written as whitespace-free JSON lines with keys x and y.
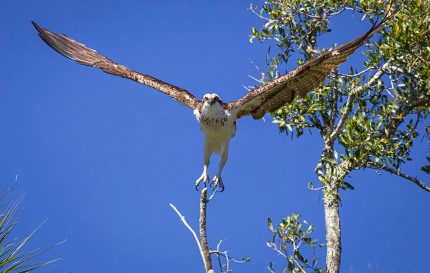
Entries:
{"x":101,"y":157}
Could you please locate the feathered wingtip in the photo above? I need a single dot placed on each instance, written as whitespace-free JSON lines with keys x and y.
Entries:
{"x":78,"y":52}
{"x":44,"y":35}
{"x":36,"y":26}
{"x":68,"y":47}
{"x":389,"y":13}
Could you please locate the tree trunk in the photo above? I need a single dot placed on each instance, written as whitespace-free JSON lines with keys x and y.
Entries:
{"x":332,"y":220}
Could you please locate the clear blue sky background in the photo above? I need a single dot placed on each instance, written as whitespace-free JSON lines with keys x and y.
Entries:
{"x":101,"y":157}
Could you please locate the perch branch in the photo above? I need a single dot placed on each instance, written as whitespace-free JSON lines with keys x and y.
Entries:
{"x":204,"y":243}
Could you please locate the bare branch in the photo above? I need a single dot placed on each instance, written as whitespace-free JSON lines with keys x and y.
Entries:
{"x":253,"y":10}
{"x":190,"y":229}
{"x":335,"y":101}
{"x":249,"y":89}
{"x":397,"y":172}
{"x":224,"y":254}
{"x":348,"y":108}
{"x":276,"y":249}
{"x":393,"y":68}
{"x":205,"y":248}
{"x":338,"y":12}
{"x":202,"y":243}
{"x":357,"y":74}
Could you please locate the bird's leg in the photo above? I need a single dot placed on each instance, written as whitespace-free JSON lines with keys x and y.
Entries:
{"x":204,"y":177}
{"x":217,"y":180}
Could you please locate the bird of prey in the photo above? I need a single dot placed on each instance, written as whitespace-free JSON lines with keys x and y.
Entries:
{"x":218,"y":119}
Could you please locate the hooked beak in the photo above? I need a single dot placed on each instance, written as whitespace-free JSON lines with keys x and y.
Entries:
{"x":212,"y":101}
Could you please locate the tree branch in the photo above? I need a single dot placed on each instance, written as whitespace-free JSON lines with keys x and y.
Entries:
{"x":253,"y":10}
{"x":348,"y":108}
{"x":189,"y":228}
{"x":397,"y":172}
{"x":357,"y":74}
{"x":393,"y":68}
{"x":205,"y":248}
{"x":202,"y":243}
{"x":405,"y":109}
{"x":350,"y":102}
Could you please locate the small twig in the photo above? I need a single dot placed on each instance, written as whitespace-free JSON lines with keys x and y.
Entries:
{"x":357,"y":74}
{"x":255,"y":79}
{"x":190,"y":229}
{"x":396,"y":172}
{"x":337,"y":12}
{"x":256,"y":67}
{"x":247,"y":88}
{"x":298,"y":265}
{"x":258,"y":15}
{"x":224,"y":254}
{"x":275,"y":248}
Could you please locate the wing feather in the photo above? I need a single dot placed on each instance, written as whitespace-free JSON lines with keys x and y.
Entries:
{"x":276,"y":93}
{"x":87,"y":56}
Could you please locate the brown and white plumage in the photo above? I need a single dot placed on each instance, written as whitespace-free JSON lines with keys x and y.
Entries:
{"x":87,"y":56}
{"x":218,"y":120}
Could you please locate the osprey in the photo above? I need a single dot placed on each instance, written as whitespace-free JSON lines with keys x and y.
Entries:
{"x":218,"y":119}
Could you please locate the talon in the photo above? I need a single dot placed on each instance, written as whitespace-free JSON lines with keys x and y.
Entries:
{"x":217,"y":182}
{"x":203,"y":178}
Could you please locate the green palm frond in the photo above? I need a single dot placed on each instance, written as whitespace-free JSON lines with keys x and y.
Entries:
{"x":12,"y":257}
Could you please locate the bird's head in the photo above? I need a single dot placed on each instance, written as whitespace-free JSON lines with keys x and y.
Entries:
{"x":211,"y":99}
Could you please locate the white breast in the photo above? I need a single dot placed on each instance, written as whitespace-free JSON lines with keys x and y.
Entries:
{"x":217,"y":124}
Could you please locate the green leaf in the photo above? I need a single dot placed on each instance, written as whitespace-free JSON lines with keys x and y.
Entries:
{"x":348,"y":186}
{"x":270,"y":224}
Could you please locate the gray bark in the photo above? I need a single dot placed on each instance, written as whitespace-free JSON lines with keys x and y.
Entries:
{"x":332,"y":220}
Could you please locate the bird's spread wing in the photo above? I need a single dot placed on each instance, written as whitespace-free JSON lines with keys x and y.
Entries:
{"x":276,"y":93}
{"x":86,"y":56}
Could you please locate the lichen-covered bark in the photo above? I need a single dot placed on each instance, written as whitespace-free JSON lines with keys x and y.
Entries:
{"x":331,"y":176}
{"x":332,"y":220}
{"x":204,"y":243}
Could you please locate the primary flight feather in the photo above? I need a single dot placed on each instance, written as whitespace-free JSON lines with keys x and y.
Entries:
{"x":217,"y":119}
